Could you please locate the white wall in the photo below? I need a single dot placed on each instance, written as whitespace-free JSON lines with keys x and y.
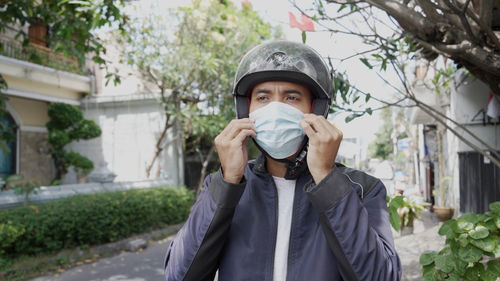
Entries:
{"x":130,"y":129}
{"x":468,"y":96}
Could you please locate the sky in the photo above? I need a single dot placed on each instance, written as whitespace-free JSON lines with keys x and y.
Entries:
{"x":275,"y":12}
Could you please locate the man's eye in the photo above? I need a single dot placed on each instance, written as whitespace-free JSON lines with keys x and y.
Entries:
{"x":261,"y":98}
{"x":291,"y":98}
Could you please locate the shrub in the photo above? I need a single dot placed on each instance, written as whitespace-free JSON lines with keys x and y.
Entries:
{"x":472,"y":245}
{"x":403,"y":211}
{"x":67,"y":124}
{"x":90,"y":219}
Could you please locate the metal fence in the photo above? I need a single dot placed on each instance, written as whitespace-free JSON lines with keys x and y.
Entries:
{"x":479,"y":182}
{"x":39,"y":55}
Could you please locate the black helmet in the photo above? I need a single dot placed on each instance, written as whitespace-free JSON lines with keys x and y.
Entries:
{"x":283,"y":61}
{"x":290,"y":62}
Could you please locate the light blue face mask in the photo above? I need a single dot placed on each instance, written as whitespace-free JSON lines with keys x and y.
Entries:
{"x":278,"y":129}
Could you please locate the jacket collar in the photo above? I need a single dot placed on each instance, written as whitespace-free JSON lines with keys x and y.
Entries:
{"x":259,"y":167}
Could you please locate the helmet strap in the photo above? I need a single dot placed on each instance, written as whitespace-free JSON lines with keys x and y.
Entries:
{"x":294,"y":168}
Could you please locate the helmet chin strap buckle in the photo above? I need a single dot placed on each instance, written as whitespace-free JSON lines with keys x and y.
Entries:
{"x":294,"y":169}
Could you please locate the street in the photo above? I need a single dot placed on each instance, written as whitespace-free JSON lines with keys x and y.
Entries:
{"x":147,"y":265}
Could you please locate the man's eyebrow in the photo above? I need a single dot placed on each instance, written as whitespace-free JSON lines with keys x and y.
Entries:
{"x":293,"y":91}
{"x":262,"y":91}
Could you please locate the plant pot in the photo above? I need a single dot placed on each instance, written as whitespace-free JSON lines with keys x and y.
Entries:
{"x":81,"y":179}
{"x":443,"y":213}
{"x":406,"y":230}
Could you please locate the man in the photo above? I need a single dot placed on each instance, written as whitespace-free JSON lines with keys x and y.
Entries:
{"x":293,"y":214}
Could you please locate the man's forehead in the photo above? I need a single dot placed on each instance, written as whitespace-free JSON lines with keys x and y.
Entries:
{"x":281,"y":84}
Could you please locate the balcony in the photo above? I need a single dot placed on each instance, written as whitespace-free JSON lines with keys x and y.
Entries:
{"x":39,"y":55}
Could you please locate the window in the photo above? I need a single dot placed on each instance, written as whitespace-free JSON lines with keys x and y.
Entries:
{"x":8,"y":148}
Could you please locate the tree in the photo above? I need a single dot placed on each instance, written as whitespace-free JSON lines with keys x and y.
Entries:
{"x":65,"y":126}
{"x":192,"y":67}
{"x":393,"y":33}
{"x":463,"y":30}
{"x":70,"y":24}
{"x":382,"y":146}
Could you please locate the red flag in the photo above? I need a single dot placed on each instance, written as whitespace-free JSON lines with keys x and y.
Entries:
{"x":493,"y":110}
{"x":305,"y":23}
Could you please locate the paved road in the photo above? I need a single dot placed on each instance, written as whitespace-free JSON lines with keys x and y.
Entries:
{"x":128,"y":266}
{"x":147,"y":265}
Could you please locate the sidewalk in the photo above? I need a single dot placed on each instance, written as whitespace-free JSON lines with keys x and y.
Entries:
{"x":425,"y":237}
{"x":147,"y":265}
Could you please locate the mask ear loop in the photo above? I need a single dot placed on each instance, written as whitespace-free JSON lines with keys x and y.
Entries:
{"x":249,"y":98}
{"x":294,"y":168}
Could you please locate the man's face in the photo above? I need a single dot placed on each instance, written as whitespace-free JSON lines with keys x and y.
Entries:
{"x":290,"y":93}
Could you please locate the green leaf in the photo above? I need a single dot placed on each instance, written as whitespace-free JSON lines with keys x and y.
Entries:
{"x":429,"y":273}
{"x":487,"y":244}
{"x":461,"y":266}
{"x":444,"y":263}
{"x":470,"y":253}
{"x":397,"y":201}
{"x":475,"y":272}
{"x":463,"y":239}
{"x":427,"y":258}
{"x":495,"y":207}
{"x":445,"y":251}
{"x":492,"y":271}
{"x":369,"y":110}
{"x":394,"y":218}
{"x":453,"y":276}
{"x":367,"y":98}
{"x":469,"y":217}
{"x":304,"y":37}
{"x":463,"y":226}
{"x":384,"y":64}
{"x":355,"y":99}
{"x":479,"y":232}
{"x":365,"y":62}
{"x":447,"y":229}
{"x":351,"y":117}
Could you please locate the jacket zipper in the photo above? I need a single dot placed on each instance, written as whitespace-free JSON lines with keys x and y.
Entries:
{"x":294,"y":208}
{"x":276,"y":209}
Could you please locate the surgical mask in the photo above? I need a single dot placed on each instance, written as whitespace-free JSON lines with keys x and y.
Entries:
{"x":278,"y":130}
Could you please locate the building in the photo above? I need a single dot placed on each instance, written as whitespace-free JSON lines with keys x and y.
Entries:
{"x":129,"y":115}
{"x":450,"y":171}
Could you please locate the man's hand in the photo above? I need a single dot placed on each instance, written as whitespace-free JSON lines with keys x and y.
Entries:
{"x":231,"y":145}
{"x":324,"y":142}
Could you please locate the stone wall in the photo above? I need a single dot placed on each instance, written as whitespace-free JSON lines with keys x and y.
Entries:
{"x":9,"y":199}
{"x":34,"y":161}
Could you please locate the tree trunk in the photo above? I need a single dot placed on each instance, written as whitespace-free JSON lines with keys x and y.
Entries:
{"x":158,"y":146}
{"x":204,"y":166}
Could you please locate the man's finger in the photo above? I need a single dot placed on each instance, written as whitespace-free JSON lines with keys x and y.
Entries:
{"x":235,"y":126}
{"x":243,"y":135}
{"x":307,"y":127}
{"x":321,"y":125}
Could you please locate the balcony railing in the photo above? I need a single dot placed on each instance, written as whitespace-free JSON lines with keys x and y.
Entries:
{"x":39,"y":55}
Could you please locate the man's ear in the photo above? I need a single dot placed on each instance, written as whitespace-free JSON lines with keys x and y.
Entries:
{"x":312,"y":106}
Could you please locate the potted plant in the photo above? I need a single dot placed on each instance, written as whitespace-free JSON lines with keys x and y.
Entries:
{"x":81,"y":164}
{"x":403,"y":211}
{"x":472,"y":250}
{"x":443,"y":212}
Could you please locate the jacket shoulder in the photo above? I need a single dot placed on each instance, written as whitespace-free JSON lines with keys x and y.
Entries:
{"x":364,"y":180}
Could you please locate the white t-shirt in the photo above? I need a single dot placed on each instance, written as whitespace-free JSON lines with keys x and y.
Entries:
{"x":286,"y":192}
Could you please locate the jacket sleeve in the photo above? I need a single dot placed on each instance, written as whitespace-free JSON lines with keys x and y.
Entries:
{"x":194,"y":252}
{"x":356,"y":227}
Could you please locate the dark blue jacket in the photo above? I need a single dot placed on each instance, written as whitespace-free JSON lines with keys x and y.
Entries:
{"x":340,"y":230}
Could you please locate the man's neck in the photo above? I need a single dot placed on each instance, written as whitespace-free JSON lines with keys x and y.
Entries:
{"x":276,"y":168}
